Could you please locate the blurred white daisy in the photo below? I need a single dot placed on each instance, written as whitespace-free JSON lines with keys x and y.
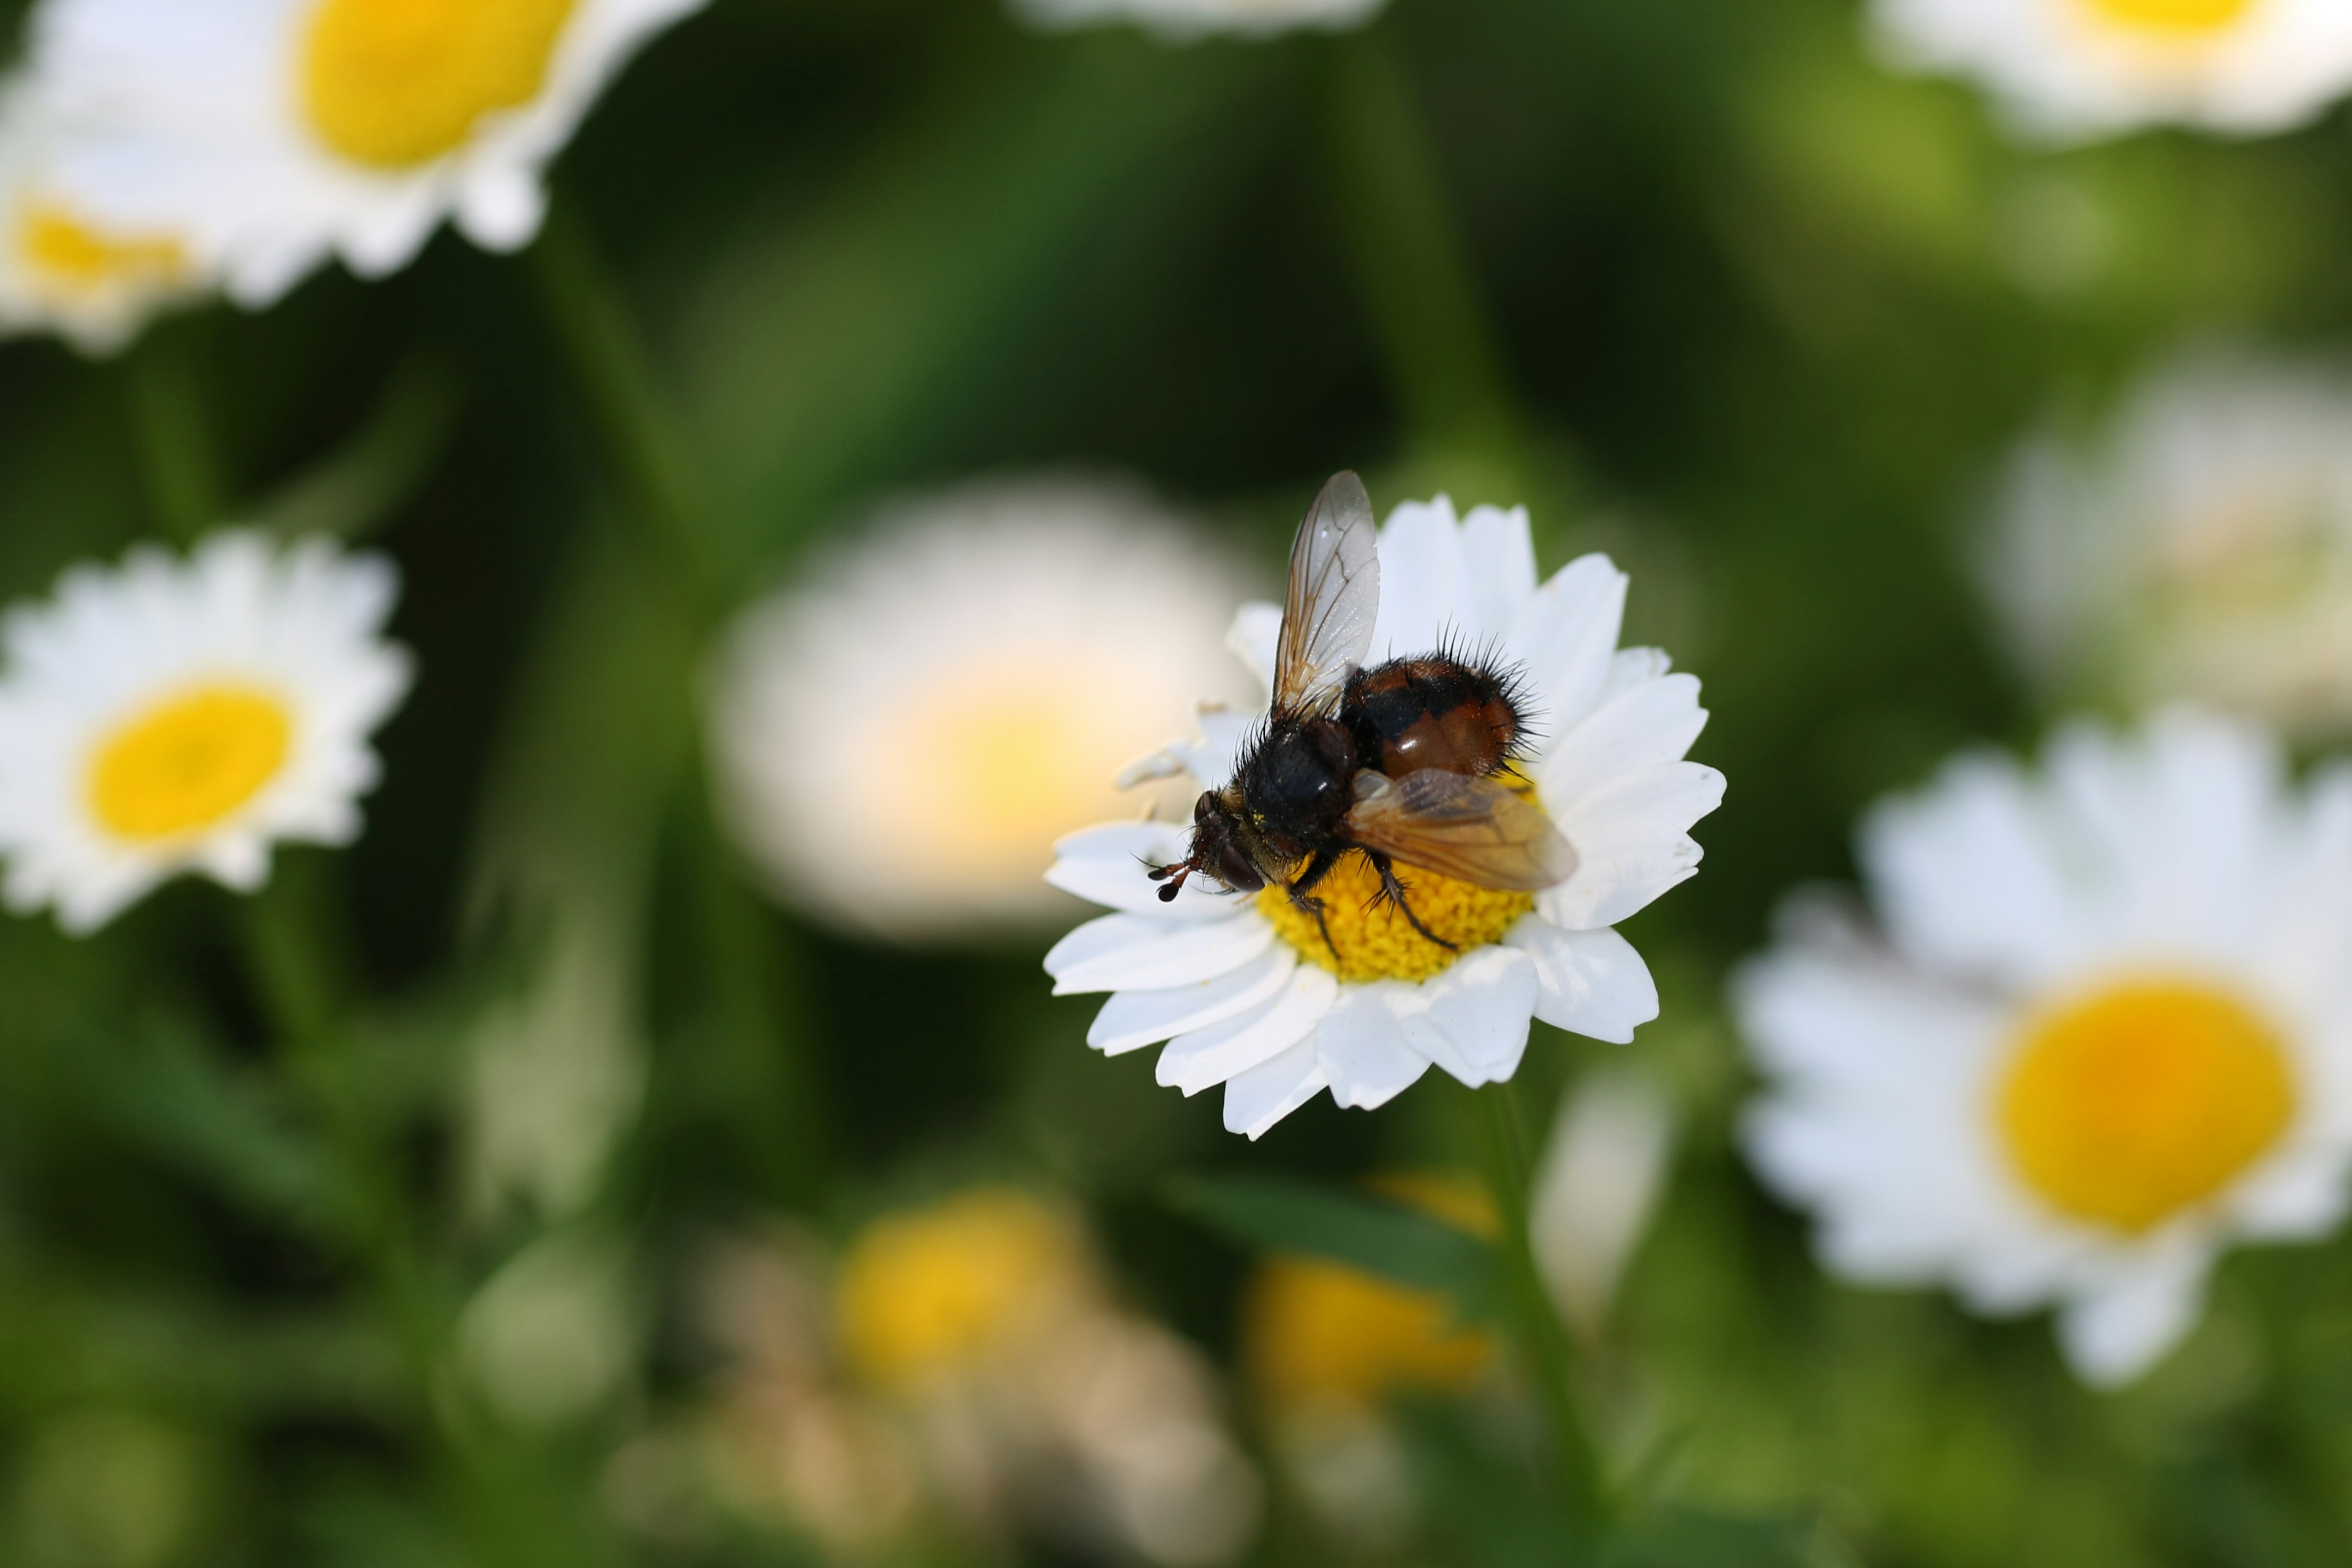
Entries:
{"x":1595,"y":1188}
{"x":902,"y":734}
{"x":173,"y":715}
{"x":2200,"y":549}
{"x":60,"y":269}
{"x":1245,"y":991}
{"x":274,"y":133}
{"x":2070,"y":69}
{"x":2106,"y":1032}
{"x":1184,"y":20}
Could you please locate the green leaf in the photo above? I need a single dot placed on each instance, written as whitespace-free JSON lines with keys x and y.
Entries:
{"x":1381,"y":1237}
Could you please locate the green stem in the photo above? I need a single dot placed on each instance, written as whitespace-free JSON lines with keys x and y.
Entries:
{"x":1446,"y":374}
{"x":592,"y":325}
{"x":183,"y":479}
{"x":1543,"y":1346}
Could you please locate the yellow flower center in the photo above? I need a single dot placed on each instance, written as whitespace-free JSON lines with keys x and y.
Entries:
{"x":62,"y":249}
{"x":395,"y":83}
{"x":187,"y":762}
{"x":2178,"y":18}
{"x":924,"y":1295}
{"x":1374,"y":939}
{"x":2126,"y":1107}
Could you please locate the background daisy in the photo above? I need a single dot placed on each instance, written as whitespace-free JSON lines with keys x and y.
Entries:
{"x":2071,"y":68}
{"x":2198,"y":548}
{"x":2106,"y":1032}
{"x":275,"y":134}
{"x":902,"y":735}
{"x":1245,"y":991}
{"x":1180,"y":20}
{"x":173,"y":715}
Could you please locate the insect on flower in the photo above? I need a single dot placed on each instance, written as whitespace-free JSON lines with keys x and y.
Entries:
{"x":1406,"y":762}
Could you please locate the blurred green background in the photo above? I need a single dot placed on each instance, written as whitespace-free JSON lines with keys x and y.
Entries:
{"x":1694,"y":278}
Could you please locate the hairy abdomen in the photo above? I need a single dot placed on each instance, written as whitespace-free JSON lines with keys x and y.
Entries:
{"x":1415,"y":713}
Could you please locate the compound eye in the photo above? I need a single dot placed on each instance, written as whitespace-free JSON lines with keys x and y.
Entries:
{"x":1204,"y":807}
{"x":1234,"y":871}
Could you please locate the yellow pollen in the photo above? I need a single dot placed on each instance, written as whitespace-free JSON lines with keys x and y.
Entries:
{"x":2178,"y":18}
{"x":58,"y":245}
{"x":2125,"y":1107}
{"x":395,"y":83}
{"x":1374,"y":940}
{"x":187,"y":762}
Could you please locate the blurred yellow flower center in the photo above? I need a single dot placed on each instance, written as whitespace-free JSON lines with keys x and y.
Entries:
{"x":1374,"y":940}
{"x":395,"y":83}
{"x":927,"y":1294}
{"x":2127,"y":1107}
{"x":60,"y":246}
{"x":2191,"y":17}
{"x":187,"y":762}
{"x":996,"y":764}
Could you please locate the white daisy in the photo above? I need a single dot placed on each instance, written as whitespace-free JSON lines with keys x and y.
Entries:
{"x":2069,"y":69}
{"x":274,"y":133}
{"x":2107,"y":1031}
{"x":173,"y":715}
{"x":902,"y":735}
{"x":60,"y":269}
{"x":1184,"y":20}
{"x":2200,"y":550}
{"x":1245,"y":991}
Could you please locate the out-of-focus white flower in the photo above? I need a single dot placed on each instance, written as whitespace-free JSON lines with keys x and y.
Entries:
{"x":902,"y":734}
{"x":552,"y":1335}
{"x":61,"y":269}
{"x":271,"y":134}
{"x":1247,"y":993}
{"x":976,"y":1347}
{"x":2201,"y":549}
{"x":2107,"y":1033}
{"x":1595,"y":1189}
{"x":1181,"y":21}
{"x":2069,"y":69}
{"x":173,"y":715}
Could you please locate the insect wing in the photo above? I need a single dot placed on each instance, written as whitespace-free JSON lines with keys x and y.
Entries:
{"x":1333,"y":599}
{"x":1471,"y":829}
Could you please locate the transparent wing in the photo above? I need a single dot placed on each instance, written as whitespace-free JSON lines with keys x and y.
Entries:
{"x":1471,"y":829}
{"x":1335,"y":596}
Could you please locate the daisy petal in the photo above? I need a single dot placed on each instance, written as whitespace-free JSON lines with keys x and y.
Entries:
{"x":1590,"y":982}
{"x":1120,"y":953}
{"x":1256,"y":1100}
{"x":1210,"y":1056}
{"x":1364,"y":1051}
{"x":2113,"y":1335}
{"x":1424,"y":582}
{"x":1645,"y":727}
{"x":1106,"y":866}
{"x":1633,"y":843}
{"x":1500,"y":552}
{"x":1133,"y":1019}
{"x":1566,"y":637}
{"x":1473,"y":1019}
{"x":1257,"y":634}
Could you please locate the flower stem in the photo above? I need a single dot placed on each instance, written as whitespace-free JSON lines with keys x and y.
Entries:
{"x":1543,"y":1349}
{"x":647,"y":450}
{"x":1444,"y":370}
{"x":175,"y":450}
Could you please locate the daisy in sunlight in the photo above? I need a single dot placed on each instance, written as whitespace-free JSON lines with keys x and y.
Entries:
{"x":171,"y":715}
{"x":60,"y":270}
{"x":1509,"y":806}
{"x":2101,"y":1030}
{"x":276,"y":133}
{"x":899,"y":736}
{"x":2073,"y":70}
{"x":1180,"y":21}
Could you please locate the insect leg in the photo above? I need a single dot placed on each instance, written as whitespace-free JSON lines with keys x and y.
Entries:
{"x":1394,"y":891}
{"x":1316,"y":869}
